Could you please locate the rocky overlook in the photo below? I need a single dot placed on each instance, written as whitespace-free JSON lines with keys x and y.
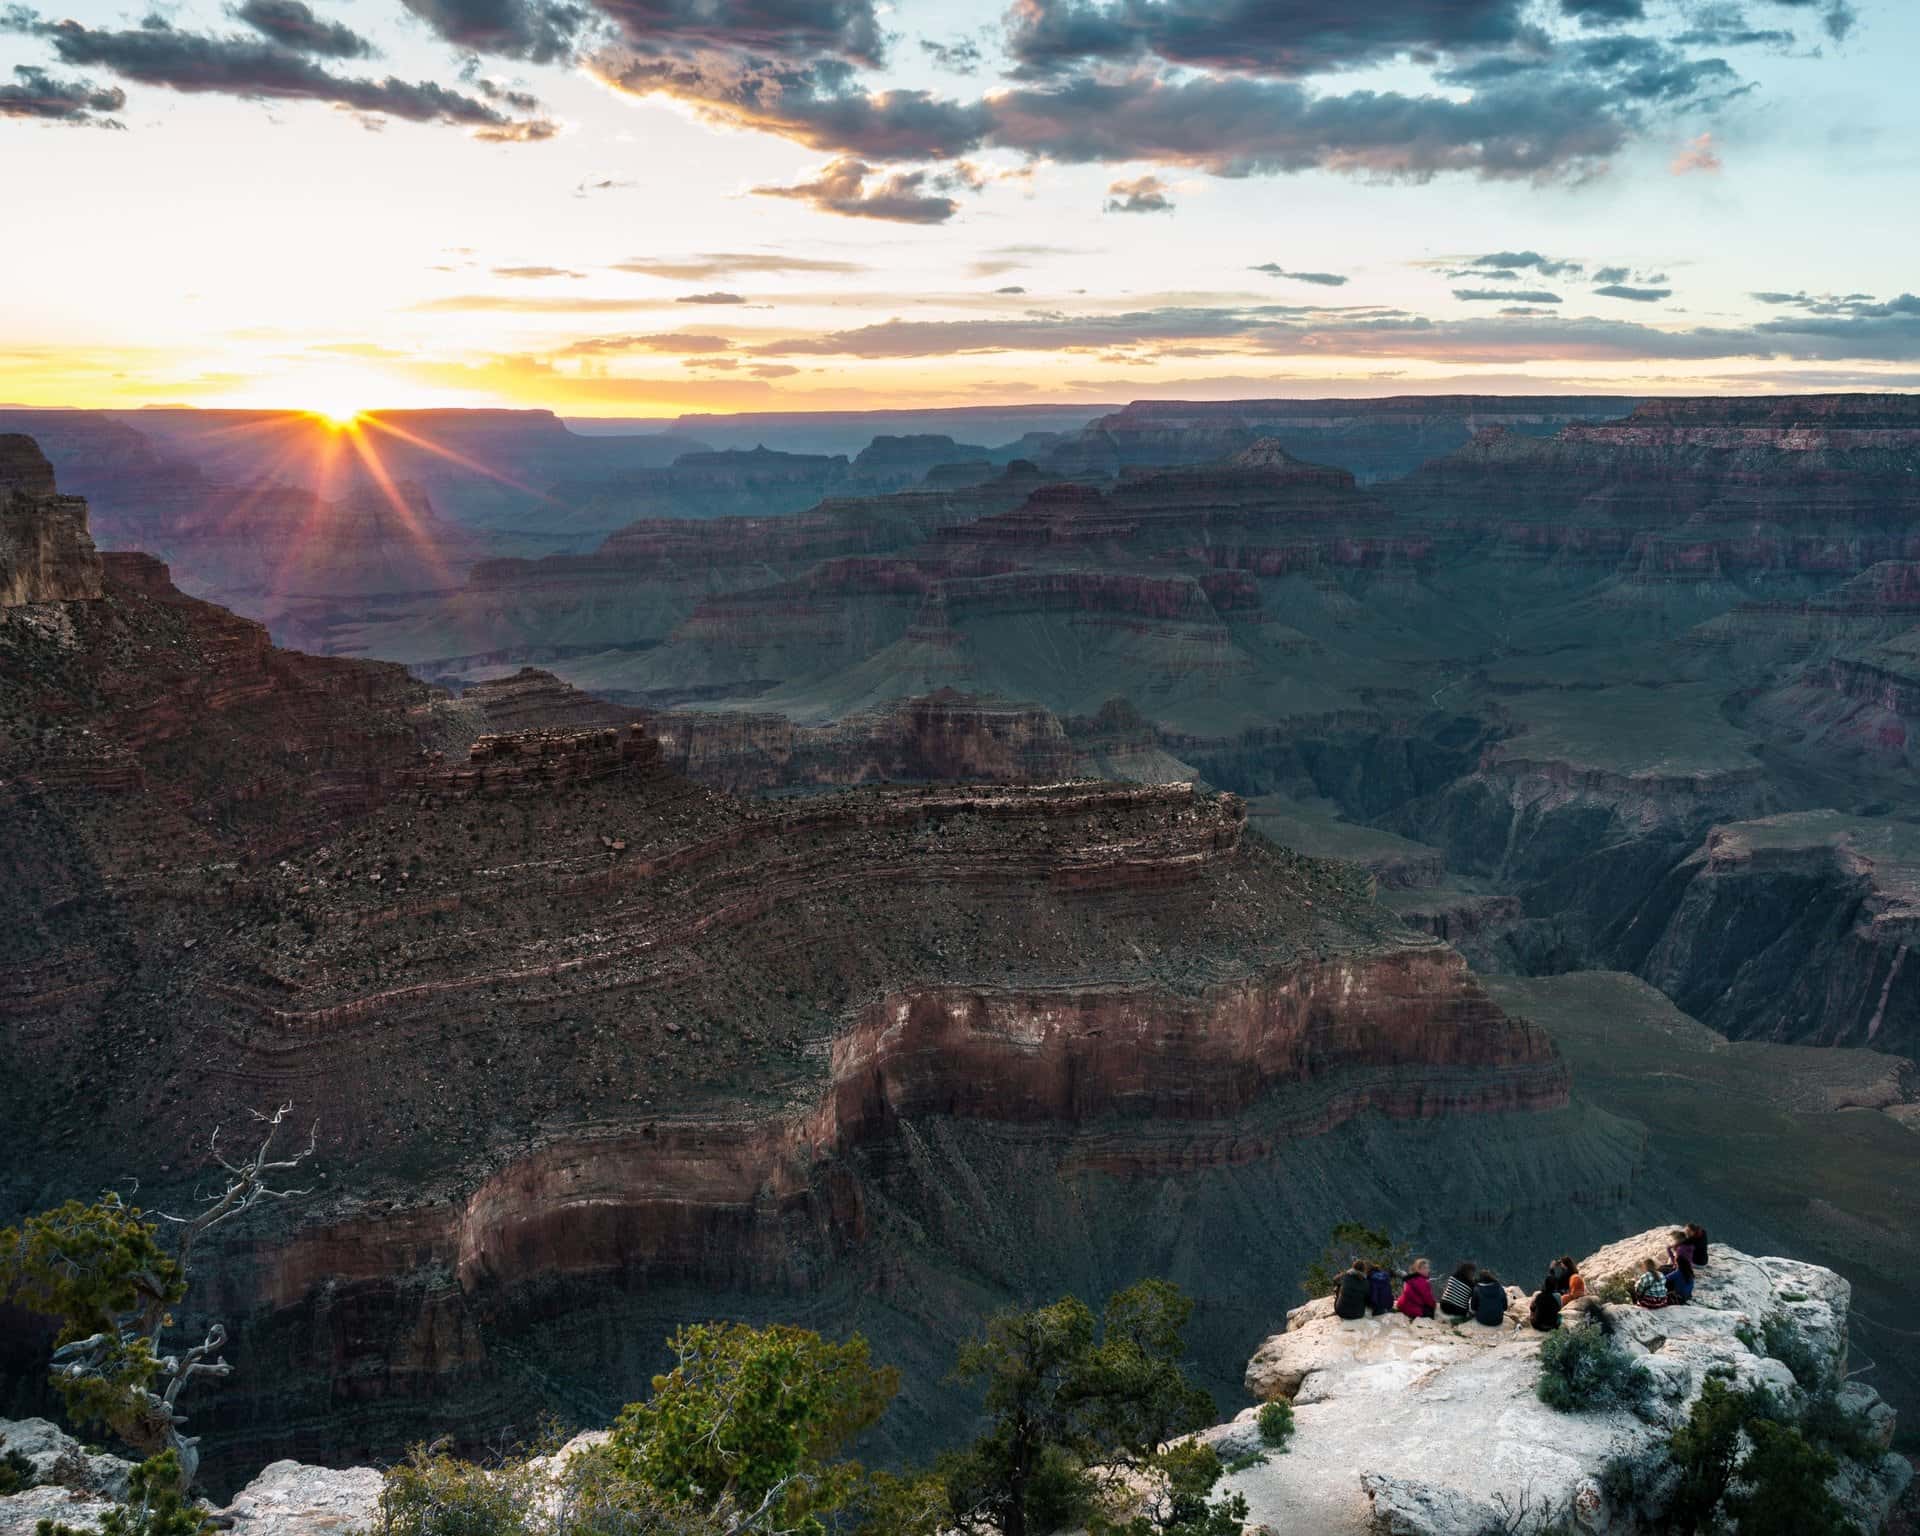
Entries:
{"x":1432,"y":1428}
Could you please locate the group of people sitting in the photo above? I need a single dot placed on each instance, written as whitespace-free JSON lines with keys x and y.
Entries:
{"x":1471,"y":1292}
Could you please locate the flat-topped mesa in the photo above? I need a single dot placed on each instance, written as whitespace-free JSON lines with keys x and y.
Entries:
{"x":946,"y":735}
{"x":46,"y":552}
{"x":1377,"y":439}
{"x":524,"y":762}
{"x":1739,"y":484}
{"x":1377,"y":1404}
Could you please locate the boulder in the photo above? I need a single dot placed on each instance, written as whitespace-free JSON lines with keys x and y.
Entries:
{"x":291,"y":1499}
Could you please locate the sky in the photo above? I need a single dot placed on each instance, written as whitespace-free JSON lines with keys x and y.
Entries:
{"x":646,"y":207}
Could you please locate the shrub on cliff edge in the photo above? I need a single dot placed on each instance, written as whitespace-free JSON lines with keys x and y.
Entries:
{"x":1582,"y":1370}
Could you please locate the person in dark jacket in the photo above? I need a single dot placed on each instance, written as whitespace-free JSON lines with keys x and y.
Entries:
{"x":1379,"y":1290}
{"x":1679,"y":1273}
{"x":1416,"y":1296}
{"x":1544,"y":1313}
{"x":1456,"y":1296}
{"x":1489,"y":1300}
{"x":1350,"y":1292}
{"x":1697,"y":1234}
{"x":1559,"y":1273}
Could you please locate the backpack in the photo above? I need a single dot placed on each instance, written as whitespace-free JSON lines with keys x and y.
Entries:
{"x":1379,"y":1290}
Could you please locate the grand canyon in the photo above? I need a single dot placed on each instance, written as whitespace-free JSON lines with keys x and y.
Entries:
{"x":1035,"y":877}
{"x":959,"y":768}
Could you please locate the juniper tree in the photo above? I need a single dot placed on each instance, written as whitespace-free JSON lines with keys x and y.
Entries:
{"x":102,"y":1272}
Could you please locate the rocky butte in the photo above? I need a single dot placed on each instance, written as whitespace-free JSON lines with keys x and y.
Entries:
{"x":593,"y":1048}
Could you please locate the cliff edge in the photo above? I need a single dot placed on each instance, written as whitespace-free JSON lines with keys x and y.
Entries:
{"x":1434,"y":1428}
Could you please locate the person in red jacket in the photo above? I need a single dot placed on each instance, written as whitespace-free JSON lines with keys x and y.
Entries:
{"x":1416,"y":1296}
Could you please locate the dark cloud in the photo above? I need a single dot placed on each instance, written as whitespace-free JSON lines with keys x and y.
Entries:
{"x":1541,"y":112}
{"x":710,"y":298}
{"x":1610,"y":274}
{"x":730,"y":264}
{"x":1323,"y":279}
{"x":1012,"y":288}
{"x":1637,"y":295}
{"x":1838,"y":17}
{"x":773,"y":370}
{"x":535,"y":272}
{"x":1034,"y":331}
{"x":1869,"y":330}
{"x":1511,"y":262}
{"x":293,"y":24}
{"x":669,"y":342}
{"x":803,"y":30}
{"x":853,"y":189}
{"x":1284,"y":38}
{"x":541,"y":31}
{"x":156,"y":53}
{"x":1143,"y":194}
{"x":36,"y":94}
{"x":1732,"y":34}
{"x":1506,"y":296}
{"x":1604,"y":13}
{"x":961,"y":56}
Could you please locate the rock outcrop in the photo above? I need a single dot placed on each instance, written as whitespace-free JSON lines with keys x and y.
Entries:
{"x":1434,"y":1428}
{"x":77,"y":1488}
{"x":46,"y":552}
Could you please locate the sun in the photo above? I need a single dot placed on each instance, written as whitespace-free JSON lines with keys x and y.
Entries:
{"x":338,"y":417}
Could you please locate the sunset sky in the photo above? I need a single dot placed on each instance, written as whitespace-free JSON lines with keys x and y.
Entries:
{"x":639,"y":207}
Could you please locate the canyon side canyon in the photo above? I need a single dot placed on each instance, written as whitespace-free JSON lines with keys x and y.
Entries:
{"x":863,"y":875}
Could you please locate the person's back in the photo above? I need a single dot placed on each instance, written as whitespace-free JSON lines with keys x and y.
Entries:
{"x":1379,"y":1291}
{"x":1417,"y":1295}
{"x":1650,"y":1290}
{"x":1558,"y":1273}
{"x":1699,"y":1235}
{"x":1489,"y":1301}
{"x":1544,"y":1314}
{"x":1679,"y":1278}
{"x":1350,"y":1294}
{"x":1456,"y":1296}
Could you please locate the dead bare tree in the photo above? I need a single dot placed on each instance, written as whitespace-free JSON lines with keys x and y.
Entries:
{"x":123,"y":1370}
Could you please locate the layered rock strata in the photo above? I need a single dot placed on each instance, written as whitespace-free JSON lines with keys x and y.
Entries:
{"x":46,"y":552}
{"x":580,"y":1034}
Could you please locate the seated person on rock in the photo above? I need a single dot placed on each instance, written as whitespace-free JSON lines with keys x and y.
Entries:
{"x":1350,"y":1292}
{"x":1489,"y":1300}
{"x":1650,"y":1289}
{"x":1697,"y":1236}
{"x":1456,"y":1296}
{"x":1379,"y":1289}
{"x":1544,"y":1313}
{"x":1679,"y":1272}
{"x":1558,"y":1274}
{"x":1416,"y":1296}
